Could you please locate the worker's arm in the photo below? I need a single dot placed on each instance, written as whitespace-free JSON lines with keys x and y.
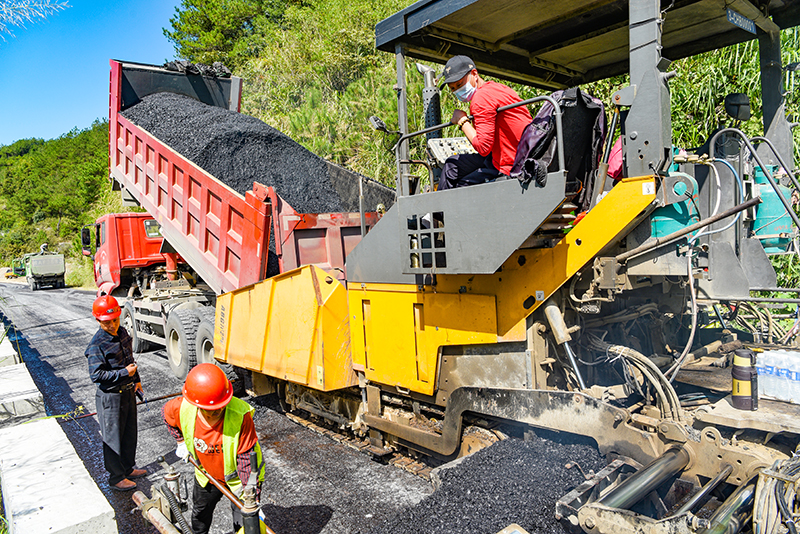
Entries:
{"x":171,"y":414}
{"x":248,"y":439}
{"x":481,"y":131}
{"x":243,"y":468}
{"x":469,"y":131}
{"x":127,"y":342}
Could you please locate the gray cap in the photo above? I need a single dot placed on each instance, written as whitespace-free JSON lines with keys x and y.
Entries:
{"x":455,"y":69}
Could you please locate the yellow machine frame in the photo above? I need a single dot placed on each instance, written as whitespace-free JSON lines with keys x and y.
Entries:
{"x":398,"y":329}
{"x":293,"y":326}
{"x":305,"y":327}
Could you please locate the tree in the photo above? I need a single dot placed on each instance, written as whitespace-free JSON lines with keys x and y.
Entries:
{"x":18,"y":12}
{"x":205,"y":31}
{"x":56,"y":180}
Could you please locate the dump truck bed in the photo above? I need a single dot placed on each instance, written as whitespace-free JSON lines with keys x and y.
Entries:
{"x":47,"y":265}
{"x":221,"y":231}
{"x":221,"y":234}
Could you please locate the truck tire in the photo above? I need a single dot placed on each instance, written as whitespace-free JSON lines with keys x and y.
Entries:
{"x":205,"y":340}
{"x":180,"y":332}
{"x":237,"y":381}
{"x":128,"y":321}
{"x":205,"y":349}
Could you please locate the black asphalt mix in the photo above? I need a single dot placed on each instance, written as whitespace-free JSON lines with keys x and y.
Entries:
{"x":512,"y":481}
{"x":238,"y":150}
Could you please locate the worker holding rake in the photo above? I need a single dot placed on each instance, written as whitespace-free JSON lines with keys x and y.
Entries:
{"x":217,"y":430}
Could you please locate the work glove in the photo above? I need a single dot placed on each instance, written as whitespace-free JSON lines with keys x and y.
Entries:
{"x":182,"y":452}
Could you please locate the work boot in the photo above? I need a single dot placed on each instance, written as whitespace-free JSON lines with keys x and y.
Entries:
{"x":123,"y":485}
{"x":137,"y":473}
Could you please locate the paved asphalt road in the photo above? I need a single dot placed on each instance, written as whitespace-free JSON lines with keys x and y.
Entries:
{"x":313,"y":484}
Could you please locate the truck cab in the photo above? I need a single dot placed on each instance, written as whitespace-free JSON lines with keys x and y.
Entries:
{"x":128,"y":252}
{"x":17,"y":267}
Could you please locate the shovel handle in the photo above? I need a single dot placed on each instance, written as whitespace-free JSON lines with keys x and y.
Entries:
{"x":228,"y":493}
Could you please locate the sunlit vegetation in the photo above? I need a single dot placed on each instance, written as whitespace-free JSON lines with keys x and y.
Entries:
{"x":311,"y":70}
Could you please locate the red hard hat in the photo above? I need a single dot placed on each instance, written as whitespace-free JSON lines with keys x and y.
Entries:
{"x":106,"y":308}
{"x":207,"y":387}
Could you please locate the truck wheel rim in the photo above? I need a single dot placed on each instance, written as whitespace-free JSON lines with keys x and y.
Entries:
{"x":174,"y":352}
{"x":207,"y":351}
{"x":128,"y":325}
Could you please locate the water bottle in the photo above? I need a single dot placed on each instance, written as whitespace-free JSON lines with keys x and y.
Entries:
{"x":779,"y":375}
{"x":766,"y":375}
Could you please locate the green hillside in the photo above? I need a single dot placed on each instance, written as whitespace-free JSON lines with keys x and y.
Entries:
{"x":311,"y":70}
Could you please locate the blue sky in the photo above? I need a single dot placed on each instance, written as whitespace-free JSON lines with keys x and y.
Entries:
{"x":55,"y":71}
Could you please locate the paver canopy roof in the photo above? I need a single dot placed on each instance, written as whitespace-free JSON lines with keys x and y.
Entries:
{"x":561,"y":43}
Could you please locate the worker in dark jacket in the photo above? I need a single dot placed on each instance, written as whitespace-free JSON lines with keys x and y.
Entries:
{"x":217,"y":430}
{"x":112,"y":368}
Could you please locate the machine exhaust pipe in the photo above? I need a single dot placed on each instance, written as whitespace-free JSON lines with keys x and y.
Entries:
{"x":431,"y":100}
{"x":640,"y":484}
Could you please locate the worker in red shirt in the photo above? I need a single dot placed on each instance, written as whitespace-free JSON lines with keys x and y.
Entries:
{"x":217,"y":430}
{"x":494,"y":136}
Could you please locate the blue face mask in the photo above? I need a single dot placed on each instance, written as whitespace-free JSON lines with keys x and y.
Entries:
{"x":465,"y":93}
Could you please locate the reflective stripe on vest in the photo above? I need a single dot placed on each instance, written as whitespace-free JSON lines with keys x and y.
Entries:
{"x":231,"y":430}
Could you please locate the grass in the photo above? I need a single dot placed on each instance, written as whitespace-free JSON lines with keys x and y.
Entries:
{"x":80,"y":274}
{"x":3,"y":522}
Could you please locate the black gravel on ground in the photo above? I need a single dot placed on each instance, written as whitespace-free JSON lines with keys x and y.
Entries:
{"x":512,"y":481}
{"x":314,"y":485}
{"x":238,"y":150}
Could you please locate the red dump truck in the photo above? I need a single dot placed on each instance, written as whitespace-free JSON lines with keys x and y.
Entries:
{"x":199,"y":237}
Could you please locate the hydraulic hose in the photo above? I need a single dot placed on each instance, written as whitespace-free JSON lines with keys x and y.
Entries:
{"x":780,"y":494}
{"x":676,"y":367}
{"x":667,"y":399}
{"x":176,"y":508}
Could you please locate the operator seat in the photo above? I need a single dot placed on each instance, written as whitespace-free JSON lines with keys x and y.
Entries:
{"x":583,"y":123}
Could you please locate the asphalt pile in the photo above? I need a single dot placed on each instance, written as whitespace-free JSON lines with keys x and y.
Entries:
{"x":512,"y":481}
{"x":238,"y":150}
